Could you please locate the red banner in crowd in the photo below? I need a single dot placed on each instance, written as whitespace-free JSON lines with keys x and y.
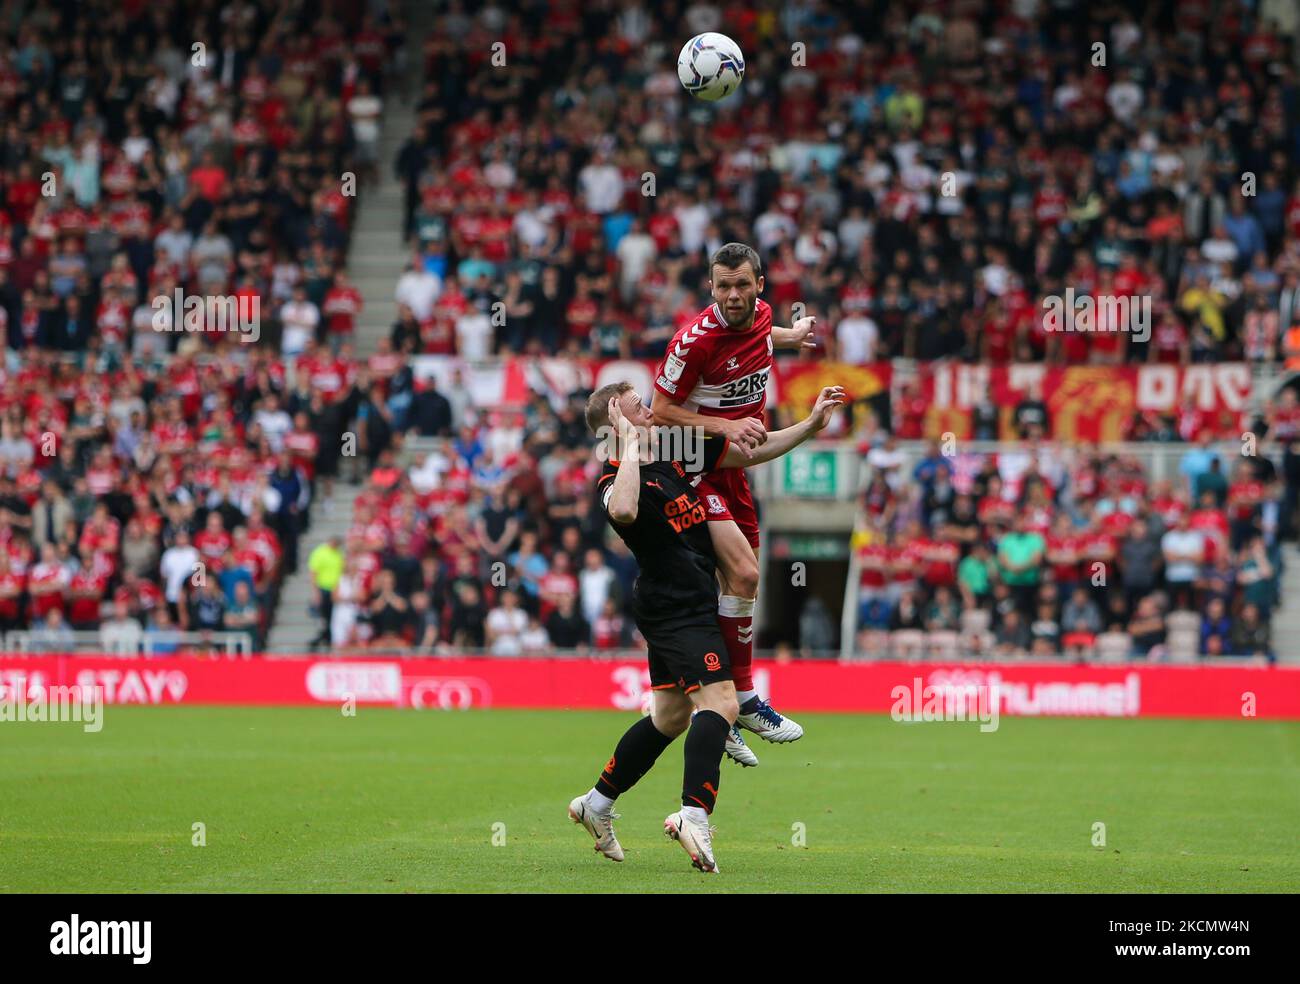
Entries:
{"x":1036,"y":689}
{"x":1086,"y":403}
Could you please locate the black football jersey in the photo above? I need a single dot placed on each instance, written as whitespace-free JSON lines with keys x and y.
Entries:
{"x":669,"y":537}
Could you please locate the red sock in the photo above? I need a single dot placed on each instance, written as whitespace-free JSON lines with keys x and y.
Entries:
{"x":736,"y":619}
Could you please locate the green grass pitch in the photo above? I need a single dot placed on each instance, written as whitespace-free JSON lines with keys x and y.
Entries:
{"x":395,"y":801}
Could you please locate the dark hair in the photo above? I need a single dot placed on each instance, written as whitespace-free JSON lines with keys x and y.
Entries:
{"x":732,"y":255}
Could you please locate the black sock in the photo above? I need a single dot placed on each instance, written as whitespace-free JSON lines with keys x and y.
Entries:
{"x":637,"y":750}
{"x":705,"y":744}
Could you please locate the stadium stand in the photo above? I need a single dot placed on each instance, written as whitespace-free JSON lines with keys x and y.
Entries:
{"x":171,"y":218}
{"x":525,"y":194}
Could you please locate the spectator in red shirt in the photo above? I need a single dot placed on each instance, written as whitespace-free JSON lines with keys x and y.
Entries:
{"x":342,"y":305}
{"x":209,"y":178}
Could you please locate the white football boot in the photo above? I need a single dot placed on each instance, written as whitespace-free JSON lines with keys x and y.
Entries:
{"x":599,"y":825}
{"x":695,"y":838}
{"x":758,"y":716}
{"x":738,"y":751}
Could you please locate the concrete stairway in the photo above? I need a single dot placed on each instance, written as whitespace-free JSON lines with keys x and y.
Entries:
{"x":376,"y":258}
{"x":1286,"y":620}
{"x":294,"y":625}
{"x":378,"y":254}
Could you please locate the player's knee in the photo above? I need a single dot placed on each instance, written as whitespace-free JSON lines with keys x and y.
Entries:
{"x":742,"y":579}
{"x":748,"y":586}
{"x":729,"y":708}
{"x":723,"y":703}
{"x":672,"y":722}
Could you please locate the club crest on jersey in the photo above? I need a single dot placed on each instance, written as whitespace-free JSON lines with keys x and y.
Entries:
{"x":733,"y":365}
{"x":673,"y":367}
{"x":716,"y":505}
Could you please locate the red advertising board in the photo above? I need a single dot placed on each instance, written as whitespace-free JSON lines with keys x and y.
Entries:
{"x":1023,"y":689}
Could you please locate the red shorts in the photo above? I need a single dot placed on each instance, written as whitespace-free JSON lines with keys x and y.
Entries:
{"x":726,"y":496}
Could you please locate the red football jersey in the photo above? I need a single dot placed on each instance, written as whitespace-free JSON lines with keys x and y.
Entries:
{"x":715,"y":371}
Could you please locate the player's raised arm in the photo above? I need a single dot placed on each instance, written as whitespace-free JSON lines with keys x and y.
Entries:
{"x":624,"y":495}
{"x":798,"y":336}
{"x":782,"y":441}
{"x":745,"y":434}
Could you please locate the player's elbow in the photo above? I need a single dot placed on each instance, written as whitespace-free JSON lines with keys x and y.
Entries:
{"x":623,"y":515}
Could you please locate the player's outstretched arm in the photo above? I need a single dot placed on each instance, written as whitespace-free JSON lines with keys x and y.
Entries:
{"x":798,"y":336}
{"x":782,"y":441}
{"x":625,"y":490}
{"x":745,"y":434}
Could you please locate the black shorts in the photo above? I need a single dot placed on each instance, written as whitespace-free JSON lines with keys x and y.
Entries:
{"x":686,"y":652}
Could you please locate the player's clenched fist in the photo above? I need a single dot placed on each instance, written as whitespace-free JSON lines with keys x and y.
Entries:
{"x":747,"y":433}
{"x":828,"y":400}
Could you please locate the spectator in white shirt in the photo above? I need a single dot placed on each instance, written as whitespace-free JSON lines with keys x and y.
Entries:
{"x":887,"y":460}
{"x":120,"y":635}
{"x":16,"y":452}
{"x":418,"y":289}
{"x":365,"y":108}
{"x":506,"y":625}
{"x":636,"y":251}
{"x":176,"y":241}
{"x":426,"y":474}
{"x":594,"y":582}
{"x":774,"y":227}
{"x":602,"y":184}
{"x":274,"y":421}
{"x":855,"y":340}
{"x":534,"y":638}
{"x":298,"y":318}
{"x":179,"y":563}
{"x":474,"y":336}
{"x":1184,"y":552}
{"x":1125,"y":97}
{"x":693,"y":218}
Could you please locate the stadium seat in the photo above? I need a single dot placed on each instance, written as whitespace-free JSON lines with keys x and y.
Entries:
{"x":1184,"y":621}
{"x":1183,"y":645}
{"x":907,"y":643}
{"x":1113,"y":647}
{"x":943,"y":645}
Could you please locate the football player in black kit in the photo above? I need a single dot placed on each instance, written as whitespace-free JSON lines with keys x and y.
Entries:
{"x":650,"y":501}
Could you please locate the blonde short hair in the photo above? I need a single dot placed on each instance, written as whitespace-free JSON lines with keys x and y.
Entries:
{"x":598,"y":404}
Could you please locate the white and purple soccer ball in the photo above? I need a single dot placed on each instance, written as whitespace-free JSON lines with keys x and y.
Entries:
{"x":711,"y":66}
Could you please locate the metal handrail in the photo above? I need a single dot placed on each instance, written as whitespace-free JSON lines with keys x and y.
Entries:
{"x":22,"y":642}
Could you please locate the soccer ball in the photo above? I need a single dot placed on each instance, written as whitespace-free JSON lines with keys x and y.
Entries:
{"x":711,"y":66}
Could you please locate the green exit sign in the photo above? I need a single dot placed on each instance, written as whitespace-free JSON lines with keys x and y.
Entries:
{"x":810,"y":474}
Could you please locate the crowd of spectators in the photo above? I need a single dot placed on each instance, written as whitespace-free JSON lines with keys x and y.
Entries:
{"x":920,"y":175}
{"x":150,"y":149}
{"x":577,"y":190}
{"x":156,"y":473}
{"x":1042,"y":552}
{"x":490,"y":541}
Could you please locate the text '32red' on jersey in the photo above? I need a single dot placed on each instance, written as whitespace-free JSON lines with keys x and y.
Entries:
{"x":716,"y":371}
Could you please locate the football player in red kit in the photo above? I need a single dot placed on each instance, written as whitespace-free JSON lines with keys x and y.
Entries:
{"x":714,"y":376}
